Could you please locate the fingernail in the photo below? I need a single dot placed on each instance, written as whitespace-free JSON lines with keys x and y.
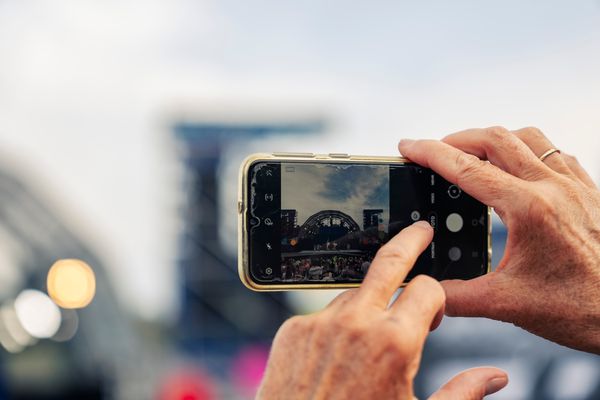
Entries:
{"x":493,"y":385}
{"x":422,"y":224}
{"x":406,"y":143}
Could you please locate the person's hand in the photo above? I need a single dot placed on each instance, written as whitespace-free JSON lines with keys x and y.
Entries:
{"x":548,"y":281}
{"x":360,"y":348}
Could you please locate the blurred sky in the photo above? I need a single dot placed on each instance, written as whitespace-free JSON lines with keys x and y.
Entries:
{"x":86,"y":88}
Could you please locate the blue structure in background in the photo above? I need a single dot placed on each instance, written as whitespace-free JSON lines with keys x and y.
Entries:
{"x":219,"y":315}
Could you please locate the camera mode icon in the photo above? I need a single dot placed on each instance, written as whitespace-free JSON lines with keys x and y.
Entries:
{"x":454,"y":192}
{"x":415,"y":215}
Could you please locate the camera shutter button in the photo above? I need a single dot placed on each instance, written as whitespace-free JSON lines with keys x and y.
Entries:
{"x":454,"y":222}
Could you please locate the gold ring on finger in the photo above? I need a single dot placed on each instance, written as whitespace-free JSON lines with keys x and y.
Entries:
{"x":549,"y":153}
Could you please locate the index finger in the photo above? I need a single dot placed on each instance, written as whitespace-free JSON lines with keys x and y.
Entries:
{"x":393,"y":262}
{"x":482,"y":180}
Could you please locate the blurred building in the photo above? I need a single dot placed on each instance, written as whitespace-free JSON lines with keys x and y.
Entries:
{"x":95,"y":353}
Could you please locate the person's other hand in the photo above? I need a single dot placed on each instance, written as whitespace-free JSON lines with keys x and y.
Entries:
{"x":360,"y":348}
{"x":548,"y":281}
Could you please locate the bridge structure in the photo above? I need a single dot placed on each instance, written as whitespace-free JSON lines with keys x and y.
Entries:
{"x":327,"y":225}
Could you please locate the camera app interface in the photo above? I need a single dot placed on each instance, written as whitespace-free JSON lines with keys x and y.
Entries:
{"x":324,"y":222}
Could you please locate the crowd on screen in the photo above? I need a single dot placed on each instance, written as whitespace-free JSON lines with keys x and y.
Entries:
{"x":325,"y":268}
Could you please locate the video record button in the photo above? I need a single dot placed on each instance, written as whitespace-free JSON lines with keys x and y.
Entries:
{"x":454,"y":253}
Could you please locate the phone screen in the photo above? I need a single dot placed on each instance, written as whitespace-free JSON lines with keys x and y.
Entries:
{"x":323,"y":222}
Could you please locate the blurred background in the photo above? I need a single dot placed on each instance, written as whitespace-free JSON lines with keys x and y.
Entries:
{"x":122,"y":127}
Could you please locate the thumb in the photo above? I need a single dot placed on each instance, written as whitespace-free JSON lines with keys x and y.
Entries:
{"x":471,"y":298}
{"x":472,"y":384}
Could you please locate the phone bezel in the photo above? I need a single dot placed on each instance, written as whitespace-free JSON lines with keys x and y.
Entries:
{"x":243,"y":251}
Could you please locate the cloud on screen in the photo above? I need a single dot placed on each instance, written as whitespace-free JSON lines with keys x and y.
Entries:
{"x":310,"y":188}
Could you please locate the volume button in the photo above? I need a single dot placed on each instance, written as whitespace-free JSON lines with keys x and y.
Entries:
{"x":284,"y":154}
{"x":339,"y":155}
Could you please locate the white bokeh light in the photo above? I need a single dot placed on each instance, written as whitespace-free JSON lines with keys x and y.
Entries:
{"x":37,"y":313}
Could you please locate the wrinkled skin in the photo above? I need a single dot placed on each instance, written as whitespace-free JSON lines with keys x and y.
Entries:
{"x":360,"y":348}
{"x":548,"y":281}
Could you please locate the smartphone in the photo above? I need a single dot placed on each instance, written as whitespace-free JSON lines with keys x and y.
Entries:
{"x":315,"y":221}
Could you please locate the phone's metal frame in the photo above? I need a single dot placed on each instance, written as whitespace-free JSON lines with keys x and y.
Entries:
{"x":243,"y":251}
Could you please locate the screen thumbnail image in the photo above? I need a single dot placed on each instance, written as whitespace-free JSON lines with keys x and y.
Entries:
{"x":334,"y":217}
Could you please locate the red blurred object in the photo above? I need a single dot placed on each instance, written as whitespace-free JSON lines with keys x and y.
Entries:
{"x":187,"y":384}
